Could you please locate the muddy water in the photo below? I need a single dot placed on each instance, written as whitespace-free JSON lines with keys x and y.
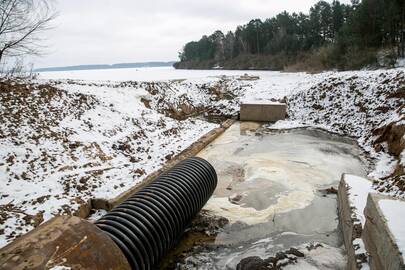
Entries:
{"x":270,"y":188}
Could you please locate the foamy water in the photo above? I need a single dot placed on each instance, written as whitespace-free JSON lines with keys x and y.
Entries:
{"x":289,"y":167}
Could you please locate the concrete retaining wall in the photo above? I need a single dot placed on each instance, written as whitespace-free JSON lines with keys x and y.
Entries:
{"x":380,"y":243}
{"x":346,"y":223}
{"x":351,"y":227}
{"x":368,"y":240}
{"x":263,"y":112}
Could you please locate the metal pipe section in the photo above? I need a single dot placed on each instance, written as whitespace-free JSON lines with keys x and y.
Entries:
{"x":151,"y":221}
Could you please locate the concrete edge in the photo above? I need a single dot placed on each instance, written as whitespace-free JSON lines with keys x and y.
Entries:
{"x":351,"y":228}
{"x":380,"y":242}
{"x":192,"y":150}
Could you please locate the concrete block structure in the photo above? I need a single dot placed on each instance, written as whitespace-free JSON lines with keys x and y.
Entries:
{"x":263,"y":111}
{"x":369,"y":240}
{"x":380,"y":241}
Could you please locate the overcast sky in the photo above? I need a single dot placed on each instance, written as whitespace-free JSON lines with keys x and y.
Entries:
{"x":117,"y":31}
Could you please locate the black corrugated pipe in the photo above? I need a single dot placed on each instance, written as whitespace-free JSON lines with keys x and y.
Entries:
{"x":151,"y":221}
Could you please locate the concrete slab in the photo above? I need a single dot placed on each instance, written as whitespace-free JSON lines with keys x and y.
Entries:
{"x":379,"y":239}
{"x":263,"y":111}
{"x":63,"y":241}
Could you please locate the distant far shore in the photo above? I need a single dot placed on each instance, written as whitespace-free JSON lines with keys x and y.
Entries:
{"x":106,"y":66}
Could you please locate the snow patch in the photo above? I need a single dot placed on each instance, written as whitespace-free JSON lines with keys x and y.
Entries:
{"x":60,"y":267}
{"x":322,"y":257}
{"x":359,"y":188}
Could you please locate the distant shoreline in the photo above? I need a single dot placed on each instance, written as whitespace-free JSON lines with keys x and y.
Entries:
{"x":102,"y":67}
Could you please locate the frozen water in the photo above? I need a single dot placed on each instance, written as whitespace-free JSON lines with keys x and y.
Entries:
{"x":270,"y":189}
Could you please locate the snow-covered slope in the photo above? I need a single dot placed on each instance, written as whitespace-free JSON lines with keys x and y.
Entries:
{"x":62,"y":146}
{"x":366,"y":105}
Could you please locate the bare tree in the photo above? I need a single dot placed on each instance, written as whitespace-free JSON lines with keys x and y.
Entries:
{"x":21,"y":23}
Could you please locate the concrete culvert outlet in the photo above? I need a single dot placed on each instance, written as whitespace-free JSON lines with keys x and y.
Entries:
{"x":151,"y":221}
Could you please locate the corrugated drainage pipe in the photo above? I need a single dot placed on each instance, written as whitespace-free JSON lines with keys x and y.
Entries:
{"x":151,"y":221}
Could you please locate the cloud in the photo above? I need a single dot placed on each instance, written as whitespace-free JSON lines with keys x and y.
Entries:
{"x":111,"y":31}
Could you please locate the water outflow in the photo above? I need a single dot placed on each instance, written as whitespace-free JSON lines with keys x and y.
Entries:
{"x":151,"y":221}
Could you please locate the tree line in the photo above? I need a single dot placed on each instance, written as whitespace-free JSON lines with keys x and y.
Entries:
{"x":331,"y":35}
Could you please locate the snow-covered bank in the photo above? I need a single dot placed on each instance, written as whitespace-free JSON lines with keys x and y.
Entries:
{"x":60,"y":147}
{"x":366,"y":105}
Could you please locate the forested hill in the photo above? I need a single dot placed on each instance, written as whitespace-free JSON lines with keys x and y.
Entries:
{"x":333,"y":35}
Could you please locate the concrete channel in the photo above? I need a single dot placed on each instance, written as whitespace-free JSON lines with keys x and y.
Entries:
{"x":272,"y":187}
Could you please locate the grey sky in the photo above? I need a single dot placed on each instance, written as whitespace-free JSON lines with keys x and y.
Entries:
{"x":115,"y":31}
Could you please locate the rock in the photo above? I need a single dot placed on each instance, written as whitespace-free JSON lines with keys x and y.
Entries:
{"x":251,"y":263}
{"x":280,"y":256}
{"x":295,"y":252}
{"x":331,"y":190}
{"x":235,"y":198}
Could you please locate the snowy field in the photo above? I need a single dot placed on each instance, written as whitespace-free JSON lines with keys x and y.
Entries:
{"x":72,"y":136}
{"x":145,"y":74}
